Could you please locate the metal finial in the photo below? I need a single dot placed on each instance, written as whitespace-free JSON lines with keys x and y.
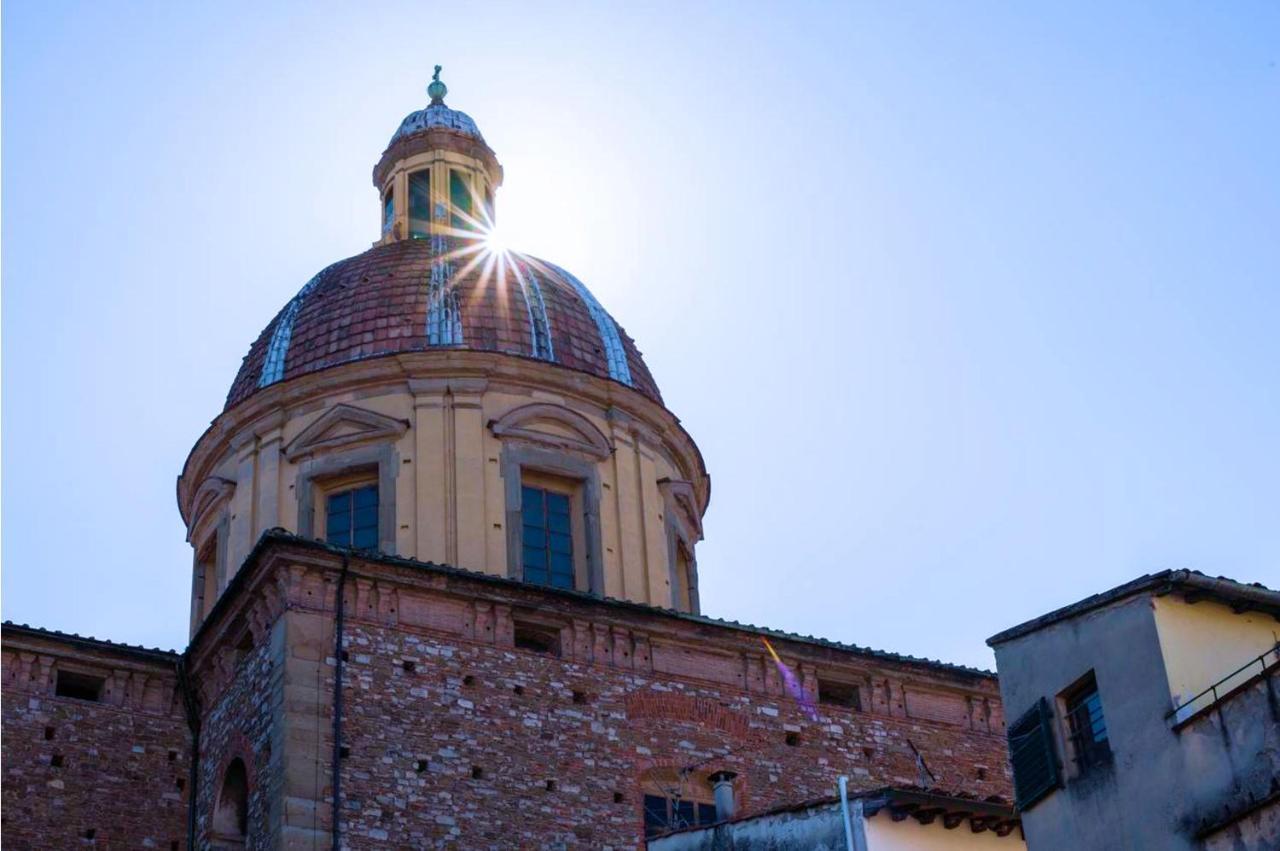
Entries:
{"x":437,"y":90}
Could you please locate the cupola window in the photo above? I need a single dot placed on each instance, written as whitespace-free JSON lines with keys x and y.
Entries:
{"x":460,"y":198}
{"x":351,"y":518}
{"x":547,"y":536}
{"x":420,"y":204}
{"x":388,"y":212}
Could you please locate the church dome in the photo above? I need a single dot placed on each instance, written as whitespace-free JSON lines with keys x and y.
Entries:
{"x":406,"y":296}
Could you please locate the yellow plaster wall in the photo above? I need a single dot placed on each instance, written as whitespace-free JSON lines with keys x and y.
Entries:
{"x":1203,"y":642}
{"x":885,"y":834}
{"x":450,"y":494}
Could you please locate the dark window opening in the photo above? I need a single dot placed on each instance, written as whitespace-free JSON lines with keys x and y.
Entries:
{"x":79,"y":686}
{"x":55,"y":761}
{"x":551,"y":785}
{"x":351,"y":518}
{"x":48,"y":733}
{"x":420,"y":204}
{"x":1087,"y":726}
{"x":537,"y":639}
{"x":231,"y":815}
{"x":388,"y":212}
{"x":547,"y":537}
{"x":460,"y":198}
{"x":839,"y":694}
{"x":662,"y":814}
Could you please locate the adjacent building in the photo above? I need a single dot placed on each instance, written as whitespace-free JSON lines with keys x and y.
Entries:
{"x":1148,"y":717}
{"x":889,"y":819}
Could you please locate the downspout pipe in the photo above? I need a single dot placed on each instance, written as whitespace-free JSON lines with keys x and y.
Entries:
{"x":844,"y":812}
{"x":339,"y":614}
{"x":191,"y":708}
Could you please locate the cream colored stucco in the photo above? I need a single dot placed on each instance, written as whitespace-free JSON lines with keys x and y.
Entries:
{"x":1203,"y":642}
{"x":450,"y":493}
{"x":885,"y":834}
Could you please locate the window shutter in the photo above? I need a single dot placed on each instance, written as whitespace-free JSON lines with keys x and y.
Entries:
{"x":1035,"y":765}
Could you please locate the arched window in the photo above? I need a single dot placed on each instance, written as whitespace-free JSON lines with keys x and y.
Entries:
{"x":231,"y":816}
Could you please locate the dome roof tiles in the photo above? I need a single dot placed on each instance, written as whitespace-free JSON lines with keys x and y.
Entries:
{"x":399,"y":297}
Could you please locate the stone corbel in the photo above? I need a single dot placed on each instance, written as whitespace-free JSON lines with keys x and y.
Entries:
{"x":623,"y":652}
{"x":483,"y":620}
{"x":388,"y":605}
{"x":601,"y":652}
{"x":643,"y":657}
{"x":582,"y":641}
{"x":504,"y":628}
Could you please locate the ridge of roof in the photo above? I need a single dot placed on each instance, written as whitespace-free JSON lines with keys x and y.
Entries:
{"x":102,"y":643}
{"x":1242,"y":595}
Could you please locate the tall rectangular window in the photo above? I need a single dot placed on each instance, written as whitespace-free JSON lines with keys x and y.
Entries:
{"x":420,"y":204}
{"x":1086,"y":725}
{"x":460,"y":198}
{"x":388,"y":212}
{"x":351,"y":518}
{"x":547,"y":536}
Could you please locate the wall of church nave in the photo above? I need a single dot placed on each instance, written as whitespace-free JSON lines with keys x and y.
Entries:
{"x":466,"y":744}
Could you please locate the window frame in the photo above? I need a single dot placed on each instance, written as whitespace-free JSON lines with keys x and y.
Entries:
{"x":408,"y":203}
{"x":1083,"y":758}
{"x":321,"y":475}
{"x":517,"y":460}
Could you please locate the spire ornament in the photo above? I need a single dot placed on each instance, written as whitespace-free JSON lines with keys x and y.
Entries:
{"x":437,"y":90}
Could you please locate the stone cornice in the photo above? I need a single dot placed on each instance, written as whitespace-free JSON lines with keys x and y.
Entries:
{"x":286,"y":572}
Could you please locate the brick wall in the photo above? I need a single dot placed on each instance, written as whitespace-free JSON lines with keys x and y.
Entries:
{"x":106,"y":774}
{"x":462,"y":748}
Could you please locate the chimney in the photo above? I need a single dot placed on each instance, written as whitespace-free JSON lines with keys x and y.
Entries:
{"x":722,"y":785}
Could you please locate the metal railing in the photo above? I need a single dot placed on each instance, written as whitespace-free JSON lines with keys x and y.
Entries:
{"x":1193,"y":706}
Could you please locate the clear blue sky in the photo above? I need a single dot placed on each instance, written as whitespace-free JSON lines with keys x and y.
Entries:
{"x":972,"y":308}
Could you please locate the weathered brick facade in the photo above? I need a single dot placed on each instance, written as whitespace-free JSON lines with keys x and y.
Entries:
{"x":452,"y":736}
{"x":106,"y":774}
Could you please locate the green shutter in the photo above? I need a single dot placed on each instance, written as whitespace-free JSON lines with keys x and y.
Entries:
{"x":1035,"y":765}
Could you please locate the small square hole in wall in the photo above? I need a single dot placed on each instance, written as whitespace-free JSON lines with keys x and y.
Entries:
{"x":173,"y":846}
{"x":420,"y":766}
{"x":518,"y":689}
{"x":477,"y":773}
{"x":182,"y":784}
{"x":617,"y":797}
{"x":90,"y":833}
{"x":468,"y":680}
{"x":551,"y":785}
{"x":48,"y":734}
{"x":344,"y":752}
{"x":346,"y":657}
{"x":56,"y":760}
{"x":868,"y":753}
{"x":793,"y":739}
{"x":409,"y":667}
{"x":581,"y":698}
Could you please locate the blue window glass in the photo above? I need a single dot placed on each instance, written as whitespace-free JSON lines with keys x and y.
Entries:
{"x":460,"y":198}
{"x":388,"y":212}
{"x":546,"y":537}
{"x":420,"y":204}
{"x":351,"y":518}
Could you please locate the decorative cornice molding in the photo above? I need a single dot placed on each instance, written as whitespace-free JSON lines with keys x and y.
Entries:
{"x":520,"y":423}
{"x":369,"y":426}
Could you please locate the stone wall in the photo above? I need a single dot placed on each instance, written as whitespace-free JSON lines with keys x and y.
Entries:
{"x":456,"y":732}
{"x":110,"y":773}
